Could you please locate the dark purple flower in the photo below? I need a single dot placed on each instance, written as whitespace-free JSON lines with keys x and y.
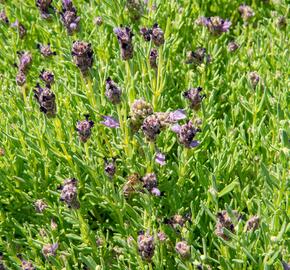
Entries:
{"x":82,"y":55}
{"x":20,"y":78}
{"x":84,"y":129}
{"x":20,"y":27}
{"x":157,"y":35}
{"x":151,"y":127}
{"x":49,"y":249}
{"x":113,"y":92}
{"x":46,"y":99}
{"x":69,"y":193}
{"x":149,"y":181}
{"x":45,"y":50}
{"x":186,"y":133}
{"x":246,"y":12}
{"x":153,"y":57}
{"x":253,"y":223}
{"x":3,"y":17}
{"x":224,"y":221}
{"x":146,"y":246}
{"x":194,"y":97}
{"x":146,"y":33}
{"x":110,"y":122}
{"x":110,"y":167}
{"x":69,"y":17}
{"x":254,"y":78}
{"x":47,"y":77}
{"x":124,"y":35}
{"x":44,"y":7}
{"x":198,"y":57}
{"x":160,"y":159}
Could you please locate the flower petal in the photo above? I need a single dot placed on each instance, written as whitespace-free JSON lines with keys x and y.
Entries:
{"x":194,"y":144}
{"x":176,"y":128}
{"x":160,"y":159}
{"x":110,"y":122}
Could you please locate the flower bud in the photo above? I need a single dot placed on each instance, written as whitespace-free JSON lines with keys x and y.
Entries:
{"x":3,"y":17}
{"x":49,"y":249}
{"x":44,"y":6}
{"x":246,"y":12}
{"x":47,"y":77}
{"x":146,"y":246}
{"x":69,"y":17}
{"x":46,"y":99}
{"x":253,"y":223}
{"x":82,"y":55}
{"x":110,"y":167}
{"x":151,"y":127}
{"x":69,"y":193}
{"x":45,"y":50}
{"x":198,"y":57}
{"x":254,"y":78}
{"x":153,"y":57}
{"x":84,"y":129}
{"x":157,"y":35}
{"x":195,"y":98}
{"x":124,"y":35}
{"x":113,"y":92}
{"x":233,"y":46}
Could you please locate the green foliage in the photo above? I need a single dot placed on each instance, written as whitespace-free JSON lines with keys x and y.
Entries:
{"x":242,"y":162}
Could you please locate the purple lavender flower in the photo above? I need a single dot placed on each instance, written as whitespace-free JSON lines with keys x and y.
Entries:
{"x":253,"y":223}
{"x":233,"y":46}
{"x":146,"y":246}
{"x":69,"y":17}
{"x":20,"y":78}
{"x":160,"y":159}
{"x":195,"y":98}
{"x":177,"y":115}
{"x":20,"y":27}
{"x":157,"y":35}
{"x":40,"y":206}
{"x":110,"y":167}
{"x":69,"y":193}
{"x":49,"y":249}
{"x":84,"y":129}
{"x":46,"y":99}
{"x":26,"y":265}
{"x":110,"y":122}
{"x":198,"y":57}
{"x":47,"y":77}
{"x":151,"y":127}
{"x":25,"y":60}
{"x":155,"y":191}
{"x":82,"y":55}
{"x":183,"y":249}
{"x":215,"y":25}
{"x":153,"y":57}
{"x":224,"y":221}
{"x":149,"y":181}
{"x":45,"y":50}
{"x":3,"y":17}
{"x":146,"y":33}
{"x":124,"y":35}
{"x":254,"y":78}
{"x":186,"y":133}
{"x":161,"y":236}
{"x":44,"y":7}
{"x":246,"y":12}
{"x":113,"y":92}
{"x":176,"y":221}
